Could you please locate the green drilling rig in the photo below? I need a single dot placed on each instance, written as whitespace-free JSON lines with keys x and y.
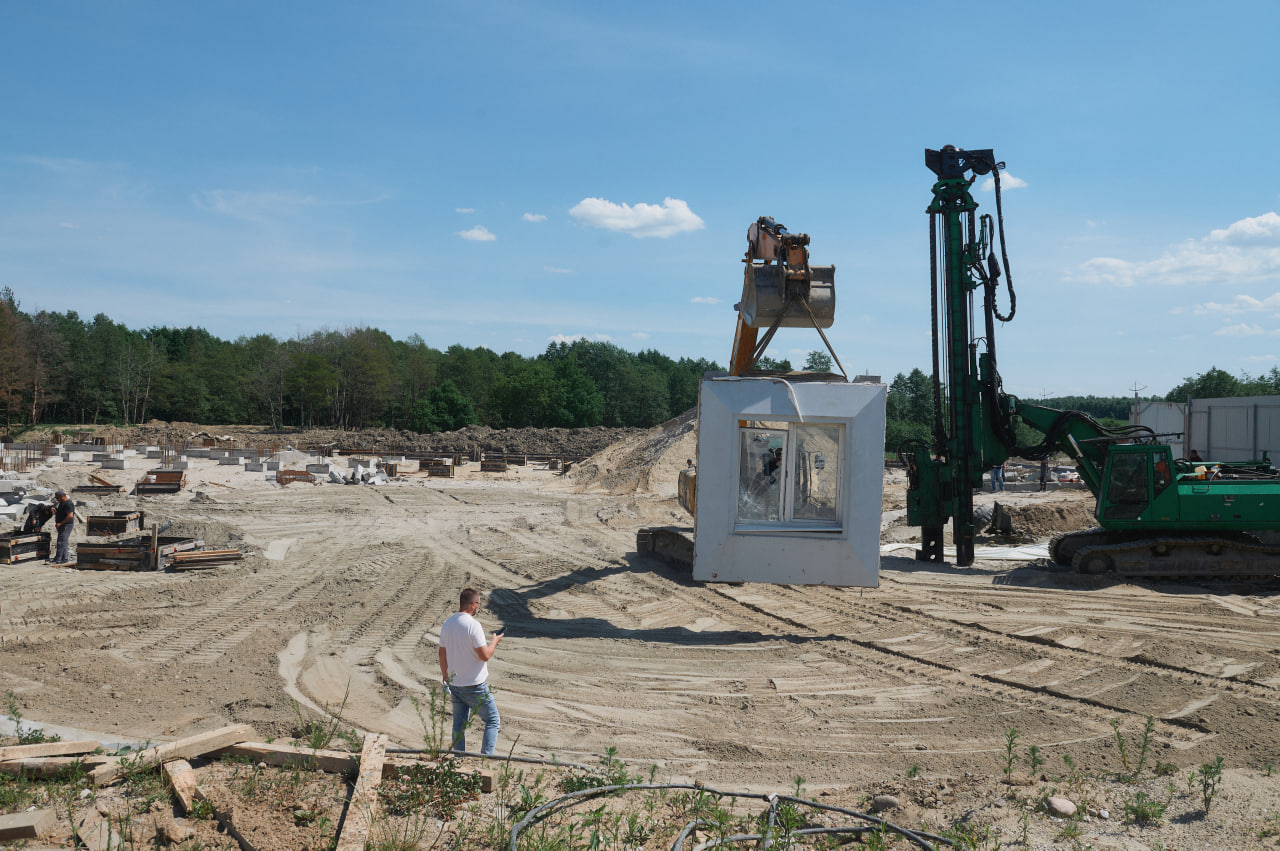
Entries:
{"x":1157,"y":515}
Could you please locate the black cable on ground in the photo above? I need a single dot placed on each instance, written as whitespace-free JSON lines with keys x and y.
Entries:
{"x":508,"y":758}
{"x":540,"y":812}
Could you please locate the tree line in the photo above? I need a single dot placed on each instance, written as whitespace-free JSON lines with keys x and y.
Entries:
{"x":61,"y":368}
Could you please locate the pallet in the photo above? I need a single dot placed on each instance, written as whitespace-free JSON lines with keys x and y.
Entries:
{"x":284,"y":477}
{"x":115,"y":523}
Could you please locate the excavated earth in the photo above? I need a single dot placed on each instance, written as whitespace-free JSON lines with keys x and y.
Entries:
{"x":339,"y":602}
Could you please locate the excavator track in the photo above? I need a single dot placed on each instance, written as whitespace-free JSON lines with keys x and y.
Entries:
{"x":672,"y":544}
{"x":1203,"y":557}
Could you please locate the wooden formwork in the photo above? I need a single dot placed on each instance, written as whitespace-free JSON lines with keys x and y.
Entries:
{"x":160,"y":481}
{"x":100,"y":486}
{"x":487,"y":466}
{"x":23,"y":546}
{"x":284,"y":477}
{"x":115,"y":523}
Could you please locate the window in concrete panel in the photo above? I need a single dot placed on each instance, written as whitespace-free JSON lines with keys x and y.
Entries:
{"x":816,"y":474}
{"x":789,"y":476}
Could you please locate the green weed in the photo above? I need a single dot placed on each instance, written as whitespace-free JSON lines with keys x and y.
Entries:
{"x":1140,"y":808}
{"x":1010,"y":754}
{"x":1034,"y":759}
{"x":31,"y":735}
{"x":913,"y":772}
{"x":1210,"y":777}
{"x":613,"y":772}
{"x":437,"y":789}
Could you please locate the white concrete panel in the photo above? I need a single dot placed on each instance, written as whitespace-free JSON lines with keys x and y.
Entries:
{"x":833,"y":538}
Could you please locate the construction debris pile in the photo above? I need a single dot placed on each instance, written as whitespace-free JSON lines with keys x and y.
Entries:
{"x":209,"y":806}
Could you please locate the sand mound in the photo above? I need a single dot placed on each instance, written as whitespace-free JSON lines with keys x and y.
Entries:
{"x":649,"y":462}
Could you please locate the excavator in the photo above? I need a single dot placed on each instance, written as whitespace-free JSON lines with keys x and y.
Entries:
{"x":1158,"y":516}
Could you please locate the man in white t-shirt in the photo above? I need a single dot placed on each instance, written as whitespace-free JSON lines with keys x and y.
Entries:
{"x":464,"y":657}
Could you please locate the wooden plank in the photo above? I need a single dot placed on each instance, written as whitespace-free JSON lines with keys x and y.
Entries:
{"x":196,"y":745}
{"x":95,"y":832}
{"x":49,"y":766}
{"x":334,"y":762}
{"x":30,"y":825}
{"x":363,"y":806}
{"x":182,"y":780}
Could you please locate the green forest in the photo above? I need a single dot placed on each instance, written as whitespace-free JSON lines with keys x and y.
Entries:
{"x":61,"y":368}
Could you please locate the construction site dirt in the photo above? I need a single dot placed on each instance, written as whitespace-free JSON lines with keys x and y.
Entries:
{"x":338,"y":603}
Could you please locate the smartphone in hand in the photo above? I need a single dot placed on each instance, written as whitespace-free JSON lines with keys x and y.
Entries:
{"x":502,"y":631}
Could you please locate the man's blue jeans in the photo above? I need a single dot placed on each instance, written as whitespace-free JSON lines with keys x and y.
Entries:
{"x":480,"y":700}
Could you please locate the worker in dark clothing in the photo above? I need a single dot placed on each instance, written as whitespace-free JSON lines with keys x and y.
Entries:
{"x":64,"y":517}
{"x":39,"y":515}
{"x":1044,"y":473}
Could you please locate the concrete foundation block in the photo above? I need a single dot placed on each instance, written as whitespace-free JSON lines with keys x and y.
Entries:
{"x":111,"y":464}
{"x":154,"y":453}
{"x":178,"y":465}
{"x":229,"y":461}
{"x":273,"y":466}
{"x":254,"y":467}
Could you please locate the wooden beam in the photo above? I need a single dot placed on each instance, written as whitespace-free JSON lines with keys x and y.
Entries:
{"x":196,"y":745}
{"x":96,"y":834}
{"x":49,"y":766}
{"x":47,"y":749}
{"x":334,"y":762}
{"x":182,"y":780}
{"x":32,"y":825}
{"x":362,"y":809}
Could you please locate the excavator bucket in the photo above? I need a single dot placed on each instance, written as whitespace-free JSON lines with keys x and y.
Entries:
{"x":765,"y":297}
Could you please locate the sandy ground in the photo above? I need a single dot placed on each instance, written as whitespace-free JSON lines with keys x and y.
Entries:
{"x":742,"y":686}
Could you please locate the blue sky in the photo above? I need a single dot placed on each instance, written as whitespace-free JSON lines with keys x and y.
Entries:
{"x":506,"y":174}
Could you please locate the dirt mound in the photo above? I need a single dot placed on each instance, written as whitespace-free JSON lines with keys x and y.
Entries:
{"x":649,"y":462}
{"x":530,"y":441}
{"x":1042,"y":520}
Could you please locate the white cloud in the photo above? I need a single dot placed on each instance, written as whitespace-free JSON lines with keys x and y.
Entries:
{"x":569,"y":338}
{"x":1259,"y":358}
{"x":1248,"y":250}
{"x":557,"y":271}
{"x":1242,"y":330}
{"x":68,"y":225}
{"x":479,"y":233}
{"x":1007,"y":181}
{"x":1090,"y":223}
{"x":534,"y":217}
{"x":673,"y":216}
{"x":1239,"y":305}
{"x":464,"y":209}
{"x":704,"y":299}
{"x":640,"y":335}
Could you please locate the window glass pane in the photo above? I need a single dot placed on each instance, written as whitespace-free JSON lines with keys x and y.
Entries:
{"x":760,"y":473}
{"x":816,"y":473}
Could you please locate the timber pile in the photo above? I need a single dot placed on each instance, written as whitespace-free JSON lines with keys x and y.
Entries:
{"x":284,"y":477}
{"x":152,"y":552}
{"x":97,"y":833}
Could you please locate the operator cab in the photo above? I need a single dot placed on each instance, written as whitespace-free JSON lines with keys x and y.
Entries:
{"x":1135,"y":477}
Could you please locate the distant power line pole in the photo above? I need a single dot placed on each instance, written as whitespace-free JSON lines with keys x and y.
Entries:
{"x":1137,"y":417}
